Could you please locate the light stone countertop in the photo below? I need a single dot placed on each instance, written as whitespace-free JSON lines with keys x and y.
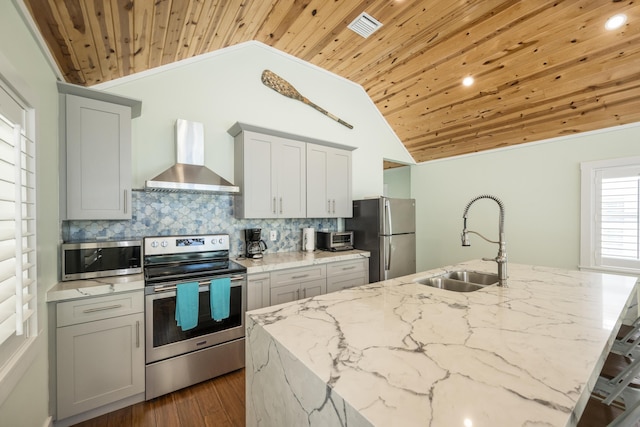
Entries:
{"x":132,"y":282}
{"x":397,"y":353}
{"x":283,"y":260}
{"x":95,"y":287}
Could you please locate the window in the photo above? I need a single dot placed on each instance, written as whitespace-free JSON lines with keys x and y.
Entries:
{"x":610,"y":229}
{"x":17,"y":228}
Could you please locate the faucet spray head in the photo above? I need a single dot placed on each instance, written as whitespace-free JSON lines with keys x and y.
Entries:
{"x":464,"y":237}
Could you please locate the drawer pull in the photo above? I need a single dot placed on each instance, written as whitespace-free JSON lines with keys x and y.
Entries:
{"x":109,"y":307}
{"x":300,"y":277}
{"x":348,"y":268}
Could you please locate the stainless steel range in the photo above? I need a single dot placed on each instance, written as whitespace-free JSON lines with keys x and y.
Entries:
{"x":177,"y":358}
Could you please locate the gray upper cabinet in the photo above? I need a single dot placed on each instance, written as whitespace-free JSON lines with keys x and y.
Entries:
{"x":98,"y":157}
{"x":328,"y":182}
{"x":95,"y":153}
{"x":271,"y":172}
{"x":289,"y":176}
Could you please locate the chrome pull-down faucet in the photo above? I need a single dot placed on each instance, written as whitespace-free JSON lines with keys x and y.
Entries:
{"x":501,"y":259}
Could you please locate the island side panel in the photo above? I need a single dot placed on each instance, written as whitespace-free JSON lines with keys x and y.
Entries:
{"x":281,"y":391}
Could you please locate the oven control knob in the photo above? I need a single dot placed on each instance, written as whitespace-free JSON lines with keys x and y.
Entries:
{"x":154,"y":244}
{"x":164,"y":244}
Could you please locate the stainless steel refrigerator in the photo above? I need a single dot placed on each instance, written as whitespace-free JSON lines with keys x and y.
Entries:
{"x":386,"y":228}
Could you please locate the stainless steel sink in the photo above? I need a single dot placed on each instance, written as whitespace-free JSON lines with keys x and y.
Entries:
{"x":460,"y":281}
{"x":483,"y":279}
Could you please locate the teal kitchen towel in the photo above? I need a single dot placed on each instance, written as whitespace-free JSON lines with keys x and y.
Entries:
{"x":220,"y":292}
{"x":187,"y":305}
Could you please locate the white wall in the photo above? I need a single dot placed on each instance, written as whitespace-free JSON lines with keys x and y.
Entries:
{"x":397,"y":182}
{"x":24,"y":65}
{"x":539,"y":184}
{"x":224,"y":87}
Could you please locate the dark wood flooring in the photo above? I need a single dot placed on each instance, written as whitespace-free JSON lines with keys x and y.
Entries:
{"x":219,"y":402}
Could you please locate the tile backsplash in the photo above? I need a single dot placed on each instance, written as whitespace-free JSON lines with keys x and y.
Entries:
{"x":164,"y":214}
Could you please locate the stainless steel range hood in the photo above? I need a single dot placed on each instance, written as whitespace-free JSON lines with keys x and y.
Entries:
{"x":189,"y":173}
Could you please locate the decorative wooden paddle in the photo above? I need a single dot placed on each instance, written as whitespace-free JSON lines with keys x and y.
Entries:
{"x":283,"y":87}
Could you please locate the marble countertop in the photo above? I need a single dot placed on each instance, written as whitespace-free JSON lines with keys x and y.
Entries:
{"x":397,"y":353}
{"x":283,"y":260}
{"x":95,"y":287}
{"x":270,"y":262}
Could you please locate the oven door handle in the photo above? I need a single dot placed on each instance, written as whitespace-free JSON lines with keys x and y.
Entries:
{"x":201,"y":283}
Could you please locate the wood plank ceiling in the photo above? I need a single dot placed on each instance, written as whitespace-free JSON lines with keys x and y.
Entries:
{"x":542,"y":68}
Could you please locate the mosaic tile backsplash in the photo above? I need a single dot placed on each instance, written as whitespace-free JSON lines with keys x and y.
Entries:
{"x":164,"y":214}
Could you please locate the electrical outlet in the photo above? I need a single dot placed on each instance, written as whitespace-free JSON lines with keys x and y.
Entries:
{"x":273,"y":235}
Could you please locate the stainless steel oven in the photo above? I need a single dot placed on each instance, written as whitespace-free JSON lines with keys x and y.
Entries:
{"x":177,"y":358}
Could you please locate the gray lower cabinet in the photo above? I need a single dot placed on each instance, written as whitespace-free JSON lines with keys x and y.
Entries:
{"x":99,"y":351}
{"x":347,"y":274}
{"x":280,"y":286}
{"x":258,"y":291}
{"x":297,"y":283}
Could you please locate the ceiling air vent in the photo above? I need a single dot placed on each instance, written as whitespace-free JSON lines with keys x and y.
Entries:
{"x":365,"y":25}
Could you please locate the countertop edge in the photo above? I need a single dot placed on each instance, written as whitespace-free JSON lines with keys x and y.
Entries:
{"x":285,"y":260}
{"x":75,"y":289}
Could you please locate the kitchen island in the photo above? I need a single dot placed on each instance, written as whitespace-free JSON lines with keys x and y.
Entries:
{"x":398,"y":353}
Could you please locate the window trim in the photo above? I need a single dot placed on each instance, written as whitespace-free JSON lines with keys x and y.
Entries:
{"x":588,"y":211}
{"x":23,"y":351}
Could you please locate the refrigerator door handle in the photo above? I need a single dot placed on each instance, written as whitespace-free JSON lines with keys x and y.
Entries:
{"x":387,"y":262}
{"x":387,"y":207}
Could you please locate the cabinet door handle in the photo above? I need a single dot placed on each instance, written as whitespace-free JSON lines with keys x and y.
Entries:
{"x":137,"y":333}
{"x":304,"y":292}
{"x":280,"y":204}
{"x":109,"y":307}
{"x":334,"y":206}
{"x":328,"y":205}
{"x":298,"y":294}
{"x":274,"y":205}
{"x":300,"y":277}
{"x":125,"y":201}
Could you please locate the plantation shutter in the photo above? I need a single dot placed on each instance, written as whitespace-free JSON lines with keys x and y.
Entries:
{"x":17,"y":222}
{"x":618,"y":217}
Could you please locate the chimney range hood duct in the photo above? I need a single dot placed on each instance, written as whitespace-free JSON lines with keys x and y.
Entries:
{"x":189,"y":173}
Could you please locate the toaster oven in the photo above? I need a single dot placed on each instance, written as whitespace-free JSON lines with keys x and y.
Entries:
{"x":334,"y":240}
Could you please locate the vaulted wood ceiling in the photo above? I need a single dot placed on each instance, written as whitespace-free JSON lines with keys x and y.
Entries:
{"x":542,"y":68}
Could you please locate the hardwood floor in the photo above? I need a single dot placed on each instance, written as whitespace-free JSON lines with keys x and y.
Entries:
{"x":219,"y":402}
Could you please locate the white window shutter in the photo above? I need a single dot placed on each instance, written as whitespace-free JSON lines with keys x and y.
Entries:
{"x":617,"y":223}
{"x":17,"y":228}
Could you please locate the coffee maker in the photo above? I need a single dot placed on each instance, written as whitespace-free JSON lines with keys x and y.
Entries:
{"x":254,"y":245}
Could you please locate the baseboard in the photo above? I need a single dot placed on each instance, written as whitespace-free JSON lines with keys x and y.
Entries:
{"x":75,"y":419}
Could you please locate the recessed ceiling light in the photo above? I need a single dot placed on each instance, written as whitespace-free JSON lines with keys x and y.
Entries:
{"x":467,"y":81}
{"x":365,"y":25}
{"x":616,"y":21}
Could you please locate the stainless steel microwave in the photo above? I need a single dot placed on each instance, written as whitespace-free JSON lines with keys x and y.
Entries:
{"x":334,"y":240}
{"x":87,"y":260}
